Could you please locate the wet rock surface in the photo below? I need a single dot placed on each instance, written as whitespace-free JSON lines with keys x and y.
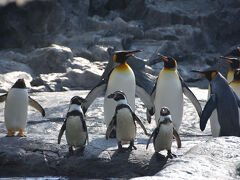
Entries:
{"x":38,"y":154}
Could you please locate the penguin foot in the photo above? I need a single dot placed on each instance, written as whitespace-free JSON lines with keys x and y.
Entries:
{"x":120,"y":148}
{"x":113,"y":134}
{"x":171,"y":155}
{"x":70,"y":150}
{"x":21,"y":133}
{"x":80,"y":151}
{"x":132,"y":146}
{"x":10,"y":133}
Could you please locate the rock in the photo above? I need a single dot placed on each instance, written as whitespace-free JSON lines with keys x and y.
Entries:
{"x":8,"y":65}
{"x":219,"y":155}
{"x":98,"y":53}
{"x":199,"y":152}
{"x":50,"y":59}
{"x":8,"y":79}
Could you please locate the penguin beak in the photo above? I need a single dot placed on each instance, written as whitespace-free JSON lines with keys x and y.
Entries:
{"x":227,"y":59}
{"x":130,"y":53}
{"x":199,"y":72}
{"x":164,"y":58}
{"x":110,"y":96}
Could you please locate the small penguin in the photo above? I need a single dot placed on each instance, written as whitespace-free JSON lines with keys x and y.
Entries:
{"x":121,"y":78}
{"x":234,"y":64}
{"x":163,"y":133}
{"x":123,"y":121}
{"x":16,"y":108}
{"x":226,"y":101}
{"x":75,"y":126}
{"x":168,"y":91}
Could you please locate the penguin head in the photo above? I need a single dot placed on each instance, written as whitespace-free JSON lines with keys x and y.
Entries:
{"x":209,"y":74}
{"x":234,"y":62}
{"x":165,"y":116}
{"x":20,"y":83}
{"x":121,"y":56}
{"x":117,"y":96}
{"x":169,"y":62}
{"x":77,"y":100}
{"x":236,"y":75}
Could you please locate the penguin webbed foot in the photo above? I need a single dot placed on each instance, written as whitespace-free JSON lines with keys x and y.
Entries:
{"x":171,"y":155}
{"x":120,"y":148}
{"x":131,"y":146}
{"x":21,"y":134}
{"x":70,"y":151}
{"x":10,"y":133}
{"x":80,"y":150}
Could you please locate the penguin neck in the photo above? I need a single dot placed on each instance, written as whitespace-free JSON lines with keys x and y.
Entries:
{"x":123,"y":67}
{"x":75,"y":107}
{"x":122,"y":101}
{"x":230,"y":75}
{"x":169,"y":69}
{"x":165,"y":119}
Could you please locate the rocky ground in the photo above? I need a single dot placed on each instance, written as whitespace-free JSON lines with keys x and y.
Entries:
{"x":38,"y":154}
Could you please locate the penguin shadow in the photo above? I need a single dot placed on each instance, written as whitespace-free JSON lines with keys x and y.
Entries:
{"x":56,"y":120}
{"x":156,"y":163}
{"x":121,"y":156}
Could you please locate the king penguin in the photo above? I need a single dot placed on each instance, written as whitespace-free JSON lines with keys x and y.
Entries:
{"x":121,"y":78}
{"x":168,"y":91}
{"x":225,"y":101}
{"x":163,"y":133}
{"x":16,"y":107}
{"x":234,"y":64}
{"x":123,"y":121}
{"x":75,"y":126}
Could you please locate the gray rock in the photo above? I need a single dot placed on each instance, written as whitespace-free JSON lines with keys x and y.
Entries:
{"x":199,"y":153}
{"x":50,"y":59}
{"x":8,"y":79}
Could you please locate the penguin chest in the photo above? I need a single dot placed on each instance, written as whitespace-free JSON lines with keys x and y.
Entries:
{"x":214,"y":123}
{"x":125,"y":126}
{"x":123,"y":81}
{"x":169,"y":93}
{"x":164,"y":137}
{"x":16,"y":108}
{"x":75,"y":134}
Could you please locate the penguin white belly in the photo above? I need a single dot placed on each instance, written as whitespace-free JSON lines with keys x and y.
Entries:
{"x":75,"y":134}
{"x":215,"y":126}
{"x":119,"y":81}
{"x":125,"y":128}
{"x":236,"y":88}
{"x":164,"y":138}
{"x":169,"y":93}
{"x":16,"y":109}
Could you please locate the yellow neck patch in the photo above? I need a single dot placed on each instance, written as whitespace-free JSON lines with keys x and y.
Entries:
{"x":122,"y":67}
{"x":169,"y":69}
{"x":235,"y":82}
{"x":213,"y":74}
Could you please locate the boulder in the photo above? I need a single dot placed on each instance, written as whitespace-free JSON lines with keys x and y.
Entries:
{"x":50,"y":59}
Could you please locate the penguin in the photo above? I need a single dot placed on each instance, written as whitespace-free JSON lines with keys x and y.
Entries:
{"x":235,"y":83}
{"x":75,"y":126}
{"x":123,"y":121}
{"x":234,"y":64}
{"x":163,"y":133}
{"x":16,"y":108}
{"x":225,"y":101}
{"x":121,"y":78}
{"x":168,"y":91}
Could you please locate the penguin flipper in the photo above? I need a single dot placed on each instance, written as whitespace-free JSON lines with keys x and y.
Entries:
{"x":140,"y":123}
{"x":85,"y":129}
{"x":187,"y":92}
{"x":36,"y":105}
{"x":63,"y":128}
{"x":207,"y":111}
{"x":93,"y":94}
{"x":153,"y":134}
{"x":3,"y":97}
{"x":111,"y":126}
{"x":177,"y":137}
{"x":153,"y":94}
{"x":237,"y":99}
